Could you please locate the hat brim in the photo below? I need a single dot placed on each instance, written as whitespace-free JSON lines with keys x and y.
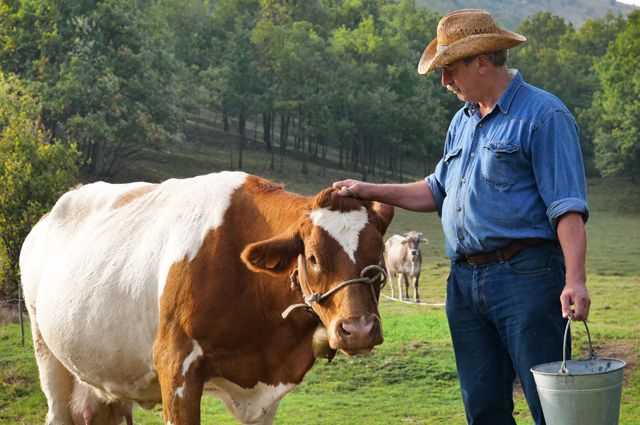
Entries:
{"x":469,"y":46}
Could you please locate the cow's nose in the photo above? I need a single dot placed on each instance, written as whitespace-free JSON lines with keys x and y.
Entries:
{"x":356,"y":326}
{"x":358,"y":334}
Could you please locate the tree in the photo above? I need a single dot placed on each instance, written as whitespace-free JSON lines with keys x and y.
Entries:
{"x":116,"y":93}
{"x":109,"y":79}
{"x":616,"y":106}
{"x":34,"y":170}
{"x":561,"y":60}
{"x":590,"y":42}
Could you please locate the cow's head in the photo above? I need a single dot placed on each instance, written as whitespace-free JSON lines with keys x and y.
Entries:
{"x":331,"y":243}
{"x":412,"y":240}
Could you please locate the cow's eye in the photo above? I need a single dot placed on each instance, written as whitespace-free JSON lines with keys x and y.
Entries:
{"x":314,"y":263}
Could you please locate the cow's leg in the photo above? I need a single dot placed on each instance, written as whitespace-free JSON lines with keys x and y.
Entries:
{"x":177,"y":360}
{"x":55,"y":380}
{"x":405,"y":284}
{"x":270,"y":414}
{"x":399,"y":283}
{"x":392,"y":283}
{"x":416,"y":281}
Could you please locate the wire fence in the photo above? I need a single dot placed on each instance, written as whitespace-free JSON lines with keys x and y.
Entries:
{"x":413,"y":302}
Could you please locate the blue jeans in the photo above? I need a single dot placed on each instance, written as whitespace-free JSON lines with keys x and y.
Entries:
{"x":505,"y":317}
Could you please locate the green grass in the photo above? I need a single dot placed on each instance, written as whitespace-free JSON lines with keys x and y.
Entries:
{"x":411,"y":378}
{"x":21,"y":401}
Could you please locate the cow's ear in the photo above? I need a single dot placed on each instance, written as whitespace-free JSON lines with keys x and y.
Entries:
{"x":384,"y":215}
{"x":273,"y":256}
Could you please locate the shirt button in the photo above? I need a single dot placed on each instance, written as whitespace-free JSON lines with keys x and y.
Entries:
{"x":459,"y":209}
{"x":472,"y":154}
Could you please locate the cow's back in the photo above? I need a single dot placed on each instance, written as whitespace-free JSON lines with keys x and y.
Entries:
{"x":94,"y":268}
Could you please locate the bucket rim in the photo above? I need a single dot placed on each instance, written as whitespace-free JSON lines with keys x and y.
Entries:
{"x":622,"y":365}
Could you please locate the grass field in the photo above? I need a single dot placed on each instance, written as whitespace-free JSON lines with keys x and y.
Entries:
{"x":411,"y":378}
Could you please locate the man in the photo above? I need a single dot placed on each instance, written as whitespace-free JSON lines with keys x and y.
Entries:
{"x":510,"y":189}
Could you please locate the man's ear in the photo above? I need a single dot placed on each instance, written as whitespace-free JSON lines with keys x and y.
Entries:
{"x":384,"y":215}
{"x":273,"y":256}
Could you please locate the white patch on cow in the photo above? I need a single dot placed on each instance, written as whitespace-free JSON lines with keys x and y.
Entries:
{"x":194,"y":355}
{"x":344,"y":227}
{"x":250,"y":405}
{"x":89,"y":268}
{"x":180,"y":391}
{"x":202,"y":207}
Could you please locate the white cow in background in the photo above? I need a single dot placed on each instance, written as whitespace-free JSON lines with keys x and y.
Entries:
{"x":403,"y":261}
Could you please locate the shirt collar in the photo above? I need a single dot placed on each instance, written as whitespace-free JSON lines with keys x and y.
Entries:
{"x":504,"y":103}
{"x":507,"y":97}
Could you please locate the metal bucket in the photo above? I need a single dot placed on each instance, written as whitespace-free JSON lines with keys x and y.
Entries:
{"x":580,"y":392}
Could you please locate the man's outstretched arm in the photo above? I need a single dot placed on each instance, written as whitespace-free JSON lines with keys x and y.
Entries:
{"x":415,"y":196}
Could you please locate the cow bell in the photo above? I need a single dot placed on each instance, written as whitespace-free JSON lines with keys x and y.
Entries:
{"x":320,"y":343}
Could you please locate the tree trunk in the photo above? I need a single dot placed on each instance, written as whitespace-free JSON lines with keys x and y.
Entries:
{"x":225,"y":122}
{"x":284,"y":131}
{"x":266,"y":130}
{"x":255,"y":127}
{"x":242,"y":140}
{"x":299,"y":142}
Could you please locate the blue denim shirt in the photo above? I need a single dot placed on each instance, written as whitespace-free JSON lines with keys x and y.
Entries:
{"x":510,"y":174}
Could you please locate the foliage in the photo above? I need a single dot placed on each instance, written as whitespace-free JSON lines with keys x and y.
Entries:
{"x":616,"y":104}
{"x":107,"y":82}
{"x":561,"y":60}
{"x":322,"y":78}
{"x":34,"y":170}
{"x":513,"y":12}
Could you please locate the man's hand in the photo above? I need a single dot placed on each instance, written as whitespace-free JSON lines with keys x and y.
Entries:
{"x":575,"y":295}
{"x":350,"y":187}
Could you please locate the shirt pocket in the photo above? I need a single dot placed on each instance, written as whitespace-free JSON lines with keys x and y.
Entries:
{"x":452,"y":165}
{"x":499,"y":163}
{"x":455,"y":153}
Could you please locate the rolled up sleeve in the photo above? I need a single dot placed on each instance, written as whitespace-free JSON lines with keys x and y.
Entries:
{"x":437,"y":189}
{"x":558,"y":166}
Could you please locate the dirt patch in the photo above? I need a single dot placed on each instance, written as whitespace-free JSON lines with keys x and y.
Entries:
{"x":626,"y":351}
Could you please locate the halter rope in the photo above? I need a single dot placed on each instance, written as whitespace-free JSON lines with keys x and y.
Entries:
{"x":312,"y":298}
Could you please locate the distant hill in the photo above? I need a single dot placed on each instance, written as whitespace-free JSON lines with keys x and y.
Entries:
{"x":511,"y":13}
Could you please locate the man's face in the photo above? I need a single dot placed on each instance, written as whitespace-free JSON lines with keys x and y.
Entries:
{"x":459,"y":77}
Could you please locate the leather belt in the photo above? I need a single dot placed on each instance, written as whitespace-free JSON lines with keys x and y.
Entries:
{"x":503,"y":254}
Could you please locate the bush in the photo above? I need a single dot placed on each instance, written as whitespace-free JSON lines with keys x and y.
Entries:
{"x":34,"y":170}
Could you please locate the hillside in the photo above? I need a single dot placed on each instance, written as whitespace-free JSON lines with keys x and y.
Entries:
{"x":511,"y":12}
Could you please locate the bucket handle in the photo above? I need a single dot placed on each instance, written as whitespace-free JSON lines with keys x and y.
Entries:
{"x":592,"y":354}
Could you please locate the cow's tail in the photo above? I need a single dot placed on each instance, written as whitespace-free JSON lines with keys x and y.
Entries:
{"x":89,"y":408}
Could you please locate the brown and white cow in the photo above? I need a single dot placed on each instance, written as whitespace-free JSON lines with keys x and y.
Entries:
{"x":403,"y":260}
{"x":143,"y":292}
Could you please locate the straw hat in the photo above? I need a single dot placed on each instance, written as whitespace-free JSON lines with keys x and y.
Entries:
{"x":464,"y":33}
